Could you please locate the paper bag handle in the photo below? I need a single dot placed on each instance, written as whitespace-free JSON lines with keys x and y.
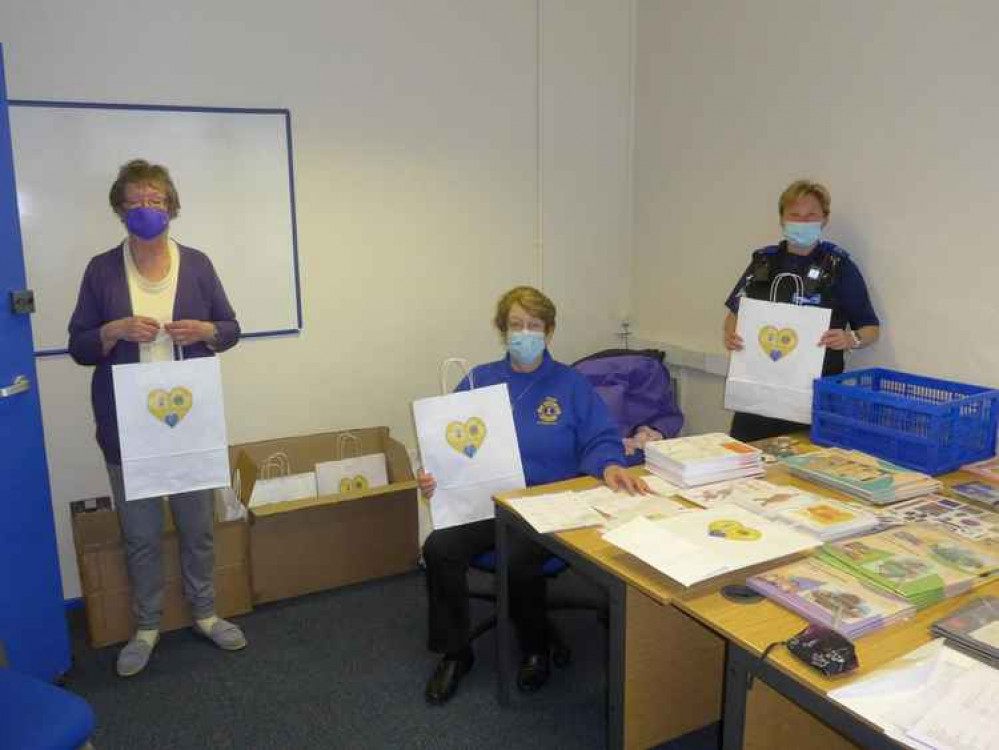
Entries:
{"x":446,"y":366}
{"x":341,"y":444}
{"x":799,"y":287}
{"x":276,"y":462}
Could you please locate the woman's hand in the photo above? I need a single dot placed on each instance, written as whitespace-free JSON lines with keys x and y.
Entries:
{"x":646,"y":434}
{"x":836,"y":338}
{"x":138,"y":329}
{"x":426,"y":483}
{"x":732,"y":340}
{"x":618,"y":479}
{"x":187,"y":332}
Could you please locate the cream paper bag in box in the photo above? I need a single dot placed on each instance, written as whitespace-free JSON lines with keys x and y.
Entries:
{"x":773,"y":374}
{"x":469,"y":443}
{"x":353,"y":474}
{"x":171,"y":425}
{"x":277,"y":484}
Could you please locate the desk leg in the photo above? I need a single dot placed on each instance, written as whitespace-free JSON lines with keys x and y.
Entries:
{"x":804,"y":714}
{"x":736,"y":688}
{"x":617,"y":595}
{"x":504,"y":629}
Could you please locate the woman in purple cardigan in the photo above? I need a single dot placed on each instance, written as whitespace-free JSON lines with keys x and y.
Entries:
{"x":138,"y":302}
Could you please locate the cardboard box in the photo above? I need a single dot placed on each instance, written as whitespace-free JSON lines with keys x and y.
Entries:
{"x":107,"y":595}
{"x":303,"y":546}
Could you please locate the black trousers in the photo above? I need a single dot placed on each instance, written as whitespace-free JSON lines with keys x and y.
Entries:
{"x":448,"y":553}
{"x":750,"y":427}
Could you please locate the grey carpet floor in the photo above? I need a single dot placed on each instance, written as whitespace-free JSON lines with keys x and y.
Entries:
{"x":343,"y":669}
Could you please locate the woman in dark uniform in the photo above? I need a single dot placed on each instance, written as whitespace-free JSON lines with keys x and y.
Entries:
{"x":830,"y":279}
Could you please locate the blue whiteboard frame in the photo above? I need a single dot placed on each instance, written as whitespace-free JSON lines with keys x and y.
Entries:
{"x":225,"y":110}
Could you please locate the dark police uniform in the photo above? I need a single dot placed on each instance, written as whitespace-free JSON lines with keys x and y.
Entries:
{"x":831,"y":280}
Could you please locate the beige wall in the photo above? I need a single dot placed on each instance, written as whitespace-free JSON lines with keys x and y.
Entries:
{"x":894,"y":104}
{"x":416,"y":130}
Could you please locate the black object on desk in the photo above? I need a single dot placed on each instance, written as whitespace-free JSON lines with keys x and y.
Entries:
{"x":741,"y":594}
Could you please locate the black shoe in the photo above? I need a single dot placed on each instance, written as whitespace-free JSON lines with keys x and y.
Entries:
{"x":444,"y":681}
{"x":534,"y":671}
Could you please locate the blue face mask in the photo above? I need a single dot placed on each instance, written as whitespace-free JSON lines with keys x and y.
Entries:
{"x":525,"y":346}
{"x":803,"y":233}
{"x":146,"y":223}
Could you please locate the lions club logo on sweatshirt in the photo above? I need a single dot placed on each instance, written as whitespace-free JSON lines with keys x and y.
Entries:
{"x":549,"y":411}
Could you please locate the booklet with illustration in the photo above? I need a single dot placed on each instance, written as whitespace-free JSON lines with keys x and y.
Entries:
{"x":922,"y":562}
{"x":828,"y":596}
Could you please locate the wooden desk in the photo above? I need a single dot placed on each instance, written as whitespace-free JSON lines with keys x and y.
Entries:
{"x":782,"y":702}
{"x":664,"y":675}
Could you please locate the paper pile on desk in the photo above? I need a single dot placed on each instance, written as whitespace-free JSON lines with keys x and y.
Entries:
{"x":921,"y":562}
{"x":974,"y":629}
{"x":933,"y":698}
{"x":983,"y":492}
{"x":823,"y":517}
{"x":693,"y":547}
{"x":702,"y":459}
{"x":989,"y":468}
{"x":600,"y":506}
{"x":831,"y":597}
{"x":560,"y":511}
{"x":872,"y":479}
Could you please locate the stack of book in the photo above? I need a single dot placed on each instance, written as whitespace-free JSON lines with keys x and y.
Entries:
{"x":982,"y":492}
{"x":820,"y":516}
{"x":987,"y":469}
{"x":922,"y":563}
{"x":827,"y":596}
{"x":973,"y":629}
{"x":872,"y":479}
{"x":702,"y":459}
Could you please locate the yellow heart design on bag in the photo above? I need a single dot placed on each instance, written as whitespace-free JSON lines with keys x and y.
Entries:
{"x":170,"y":406}
{"x":466,"y":437}
{"x":733,"y":530}
{"x":353,"y":484}
{"x":777,"y":343}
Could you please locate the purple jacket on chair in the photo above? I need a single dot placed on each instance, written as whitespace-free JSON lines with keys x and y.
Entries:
{"x":104,"y":297}
{"x":637,"y":391}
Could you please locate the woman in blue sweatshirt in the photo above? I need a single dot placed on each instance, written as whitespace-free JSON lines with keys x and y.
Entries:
{"x":563,"y":430}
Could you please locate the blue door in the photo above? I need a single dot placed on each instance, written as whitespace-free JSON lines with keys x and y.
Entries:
{"x":32,"y":614}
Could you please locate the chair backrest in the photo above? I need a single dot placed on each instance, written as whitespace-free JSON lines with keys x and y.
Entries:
{"x":636,"y":386}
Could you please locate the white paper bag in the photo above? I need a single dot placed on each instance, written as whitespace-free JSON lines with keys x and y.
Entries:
{"x":351,"y":474}
{"x":772,"y":375}
{"x":469,"y":443}
{"x":277,"y":484}
{"x":171,"y":426}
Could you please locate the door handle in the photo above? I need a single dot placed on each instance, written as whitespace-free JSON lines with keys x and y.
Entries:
{"x":21,"y":384}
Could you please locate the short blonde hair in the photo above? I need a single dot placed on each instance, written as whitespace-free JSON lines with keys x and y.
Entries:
{"x":534,"y":302}
{"x":800,"y":189}
{"x":141,"y":172}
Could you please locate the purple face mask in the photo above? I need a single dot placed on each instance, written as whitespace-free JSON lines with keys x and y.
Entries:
{"x":146,"y":223}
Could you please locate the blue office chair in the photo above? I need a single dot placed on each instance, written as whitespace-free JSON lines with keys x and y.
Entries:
{"x":35,"y":715}
{"x":553,"y":567}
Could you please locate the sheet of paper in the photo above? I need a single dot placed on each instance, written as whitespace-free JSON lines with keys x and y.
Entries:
{"x":653,"y":508}
{"x":963,"y":718}
{"x":647,"y":541}
{"x":660,"y":486}
{"x":898,"y":695}
{"x":556,"y":512}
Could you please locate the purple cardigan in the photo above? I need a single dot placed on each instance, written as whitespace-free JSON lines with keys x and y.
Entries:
{"x":104,"y":297}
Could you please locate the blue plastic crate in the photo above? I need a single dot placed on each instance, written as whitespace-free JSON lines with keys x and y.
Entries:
{"x":930,"y":425}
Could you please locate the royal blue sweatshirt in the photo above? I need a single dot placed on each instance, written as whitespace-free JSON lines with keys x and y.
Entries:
{"x":563,"y":428}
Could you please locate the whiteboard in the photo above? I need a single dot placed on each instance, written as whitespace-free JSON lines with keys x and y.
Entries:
{"x":233,"y":173}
